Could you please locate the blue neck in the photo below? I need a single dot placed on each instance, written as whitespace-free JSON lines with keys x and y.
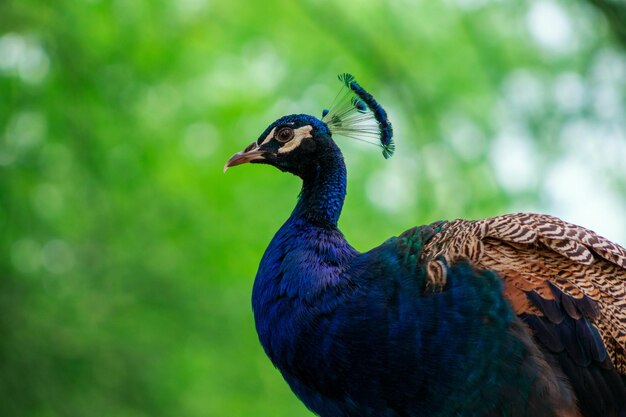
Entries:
{"x":323,"y":191}
{"x":305,"y":258}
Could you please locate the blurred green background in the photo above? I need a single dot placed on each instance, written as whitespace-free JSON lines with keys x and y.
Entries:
{"x":127,"y":256}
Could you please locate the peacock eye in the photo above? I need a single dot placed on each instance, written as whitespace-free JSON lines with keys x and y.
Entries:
{"x":284,"y":134}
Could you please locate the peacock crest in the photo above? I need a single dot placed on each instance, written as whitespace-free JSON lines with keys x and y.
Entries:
{"x":355,"y":113}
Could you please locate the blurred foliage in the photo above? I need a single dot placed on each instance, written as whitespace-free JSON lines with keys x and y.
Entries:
{"x":127,"y":257}
{"x":615,"y":12}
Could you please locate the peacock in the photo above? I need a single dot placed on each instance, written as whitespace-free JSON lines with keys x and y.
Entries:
{"x":516,"y":315}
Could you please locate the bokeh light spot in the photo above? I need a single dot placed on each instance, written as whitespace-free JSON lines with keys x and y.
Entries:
{"x":389,"y":190}
{"x":551,"y":27}
{"x":57,"y":257}
{"x":24,"y":57}
{"x":514,"y":159}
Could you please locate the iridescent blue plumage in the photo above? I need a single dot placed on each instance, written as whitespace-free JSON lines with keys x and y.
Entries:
{"x":406,"y":329}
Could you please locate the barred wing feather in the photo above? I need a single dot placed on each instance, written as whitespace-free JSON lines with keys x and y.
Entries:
{"x":550,"y":268}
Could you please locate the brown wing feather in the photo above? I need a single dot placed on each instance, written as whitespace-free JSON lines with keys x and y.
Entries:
{"x":532,"y":252}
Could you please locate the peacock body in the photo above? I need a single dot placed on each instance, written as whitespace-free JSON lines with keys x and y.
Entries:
{"x":517,"y":315}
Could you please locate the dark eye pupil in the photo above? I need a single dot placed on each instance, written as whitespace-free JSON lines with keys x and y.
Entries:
{"x":284,"y":134}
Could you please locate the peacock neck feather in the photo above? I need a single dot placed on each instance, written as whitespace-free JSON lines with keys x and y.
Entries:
{"x":323,"y":190}
{"x":304,"y":260}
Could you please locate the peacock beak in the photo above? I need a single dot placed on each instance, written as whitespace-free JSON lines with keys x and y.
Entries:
{"x":251,"y":153}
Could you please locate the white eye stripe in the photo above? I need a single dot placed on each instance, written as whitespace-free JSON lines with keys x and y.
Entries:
{"x":268,"y":137}
{"x":298,"y":135}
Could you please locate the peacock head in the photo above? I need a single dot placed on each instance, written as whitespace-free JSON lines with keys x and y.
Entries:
{"x":291,"y":144}
{"x":295,"y":143}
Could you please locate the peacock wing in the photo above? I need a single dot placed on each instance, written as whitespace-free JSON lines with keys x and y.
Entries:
{"x":552,"y":270}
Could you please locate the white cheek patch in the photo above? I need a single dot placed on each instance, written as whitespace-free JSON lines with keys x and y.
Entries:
{"x":299,"y":134}
{"x":268,"y":137}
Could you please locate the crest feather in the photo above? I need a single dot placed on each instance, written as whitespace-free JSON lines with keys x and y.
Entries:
{"x":356,"y":114}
